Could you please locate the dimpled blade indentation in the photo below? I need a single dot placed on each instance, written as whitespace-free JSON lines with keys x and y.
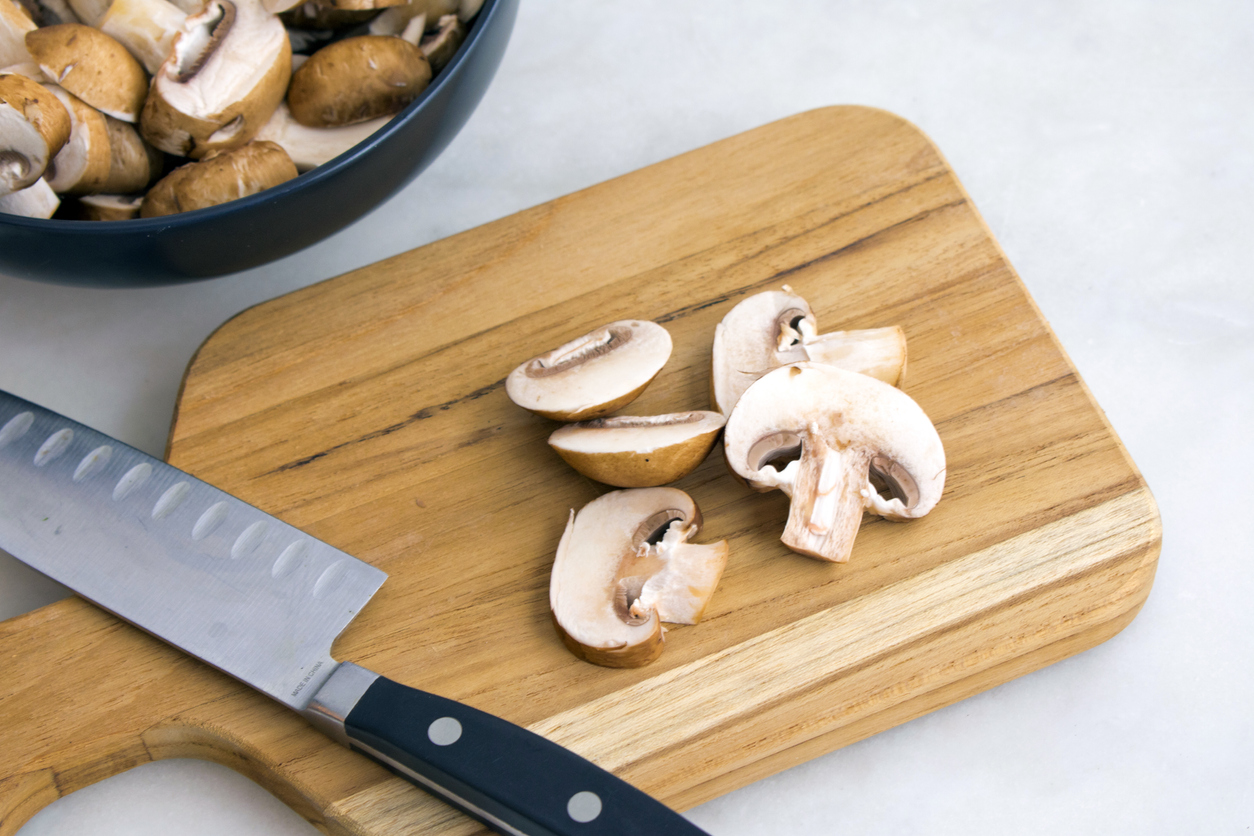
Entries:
{"x":216,"y":577}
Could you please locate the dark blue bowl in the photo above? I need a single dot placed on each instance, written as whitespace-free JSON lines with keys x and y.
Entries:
{"x":277,"y":222}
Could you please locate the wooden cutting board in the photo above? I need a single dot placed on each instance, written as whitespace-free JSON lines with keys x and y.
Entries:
{"x":370,"y":410}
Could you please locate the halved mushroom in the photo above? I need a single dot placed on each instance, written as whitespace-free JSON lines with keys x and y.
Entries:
{"x":356,"y":80}
{"x":594,"y":374}
{"x":14,"y":25}
{"x":638,"y":451}
{"x":838,"y":443}
{"x":35,"y":201}
{"x":440,"y":46}
{"x":108,"y":207}
{"x":624,"y":566}
{"x":311,"y":147}
{"x":221,"y":178}
{"x":775,"y":328}
{"x":145,"y":27}
{"x":82,"y":166}
{"x":227,"y":72}
{"x":34,"y":126}
{"x":93,"y":66}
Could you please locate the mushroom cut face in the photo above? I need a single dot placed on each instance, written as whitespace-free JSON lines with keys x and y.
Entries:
{"x":624,"y":566}
{"x":592,"y":375}
{"x":638,"y":451}
{"x":227,"y":72}
{"x":838,"y":443}
{"x":777,"y":328}
{"x":34,"y":126}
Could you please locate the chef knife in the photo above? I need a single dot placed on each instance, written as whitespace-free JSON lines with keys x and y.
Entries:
{"x":263,"y":602}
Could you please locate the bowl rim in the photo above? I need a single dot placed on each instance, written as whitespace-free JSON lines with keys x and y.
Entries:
{"x":308,"y":179}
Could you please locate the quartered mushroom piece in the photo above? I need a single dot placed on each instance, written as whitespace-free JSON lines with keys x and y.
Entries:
{"x":629,"y":451}
{"x":838,"y":443}
{"x":624,"y":566}
{"x":227,"y":72}
{"x":592,"y":375}
{"x":34,"y":126}
{"x":775,"y":328}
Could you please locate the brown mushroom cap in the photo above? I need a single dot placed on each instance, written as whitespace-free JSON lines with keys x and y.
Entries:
{"x":777,"y":327}
{"x":92,"y":66}
{"x":83,"y":164}
{"x":440,"y":46}
{"x":357,"y":79}
{"x":34,"y":126}
{"x":846,"y":438}
{"x":594,"y":374}
{"x":624,"y":566}
{"x":224,"y":177}
{"x":638,"y":451}
{"x":227,"y":73}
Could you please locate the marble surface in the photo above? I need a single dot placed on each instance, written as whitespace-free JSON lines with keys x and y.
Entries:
{"x":1107,"y":144}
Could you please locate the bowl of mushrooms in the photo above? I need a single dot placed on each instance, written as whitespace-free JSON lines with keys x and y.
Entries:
{"x":149,"y":142}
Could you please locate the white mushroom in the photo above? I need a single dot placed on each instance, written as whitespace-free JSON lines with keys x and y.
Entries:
{"x":145,"y":27}
{"x":92,"y":66}
{"x":775,"y":328}
{"x":594,"y":374}
{"x":838,"y":443}
{"x":311,"y":147}
{"x":109,"y":207}
{"x":624,"y":566}
{"x":638,"y":451}
{"x":34,"y":126}
{"x":228,"y":71}
{"x":218,"y":179}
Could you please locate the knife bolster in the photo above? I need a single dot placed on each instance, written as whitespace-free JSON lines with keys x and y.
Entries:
{"x":336,"y":698}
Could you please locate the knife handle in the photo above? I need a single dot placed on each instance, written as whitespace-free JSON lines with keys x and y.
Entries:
{"x":511,"y":779}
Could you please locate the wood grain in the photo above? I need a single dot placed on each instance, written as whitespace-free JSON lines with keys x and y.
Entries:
{"x":370,"y":411}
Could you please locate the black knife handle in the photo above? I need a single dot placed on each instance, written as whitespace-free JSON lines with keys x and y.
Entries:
{"x":511,"y":779}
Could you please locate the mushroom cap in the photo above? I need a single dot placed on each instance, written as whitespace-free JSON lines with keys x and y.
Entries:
{"x":34,"y":126}
{"x":227,"y":72}
{"x":440,"y":46}
{"x":594,"y":374}
{"x":623,"y":566}
{"x":638,"y":451}
{"x":357,"y":79}
{"x":856,"y":436}
{"x":109,"y":207}
{"x":776,"y":328}
{"x":224,"y":177}
{"x":93,"y":66}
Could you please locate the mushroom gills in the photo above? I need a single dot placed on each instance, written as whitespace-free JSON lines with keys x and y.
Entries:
{"x":624,"y":565}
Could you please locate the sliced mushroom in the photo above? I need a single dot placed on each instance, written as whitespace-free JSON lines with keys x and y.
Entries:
{"x":440,"y":46}
{"x":145,"y":27}
{"x":624,"y":566}
{"x":638,"y":451}
{"x":219,"y":179}
{"x":34,"y":126}
{"x":228,"y":71}
{"x":92,"y":66}
{"x":108,"y":207}
{"x":133,"y":163}
{"x":592,"y":375}
{"x":311,"y":147}
{"x":36,"y":201}
{"x":82,"y":166}
{"x":356,"y":80}
{"x":837,"y":443}
{"x":14,"y":25}
{"x":775,"y":328}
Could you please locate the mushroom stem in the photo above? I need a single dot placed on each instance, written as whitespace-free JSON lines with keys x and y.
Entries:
{"x":827,"y":500}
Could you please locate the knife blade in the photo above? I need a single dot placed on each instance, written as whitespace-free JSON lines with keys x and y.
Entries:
{"x":262,"y":601}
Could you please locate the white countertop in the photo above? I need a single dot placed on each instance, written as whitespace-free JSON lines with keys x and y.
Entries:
{"x":1109,"y":147}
